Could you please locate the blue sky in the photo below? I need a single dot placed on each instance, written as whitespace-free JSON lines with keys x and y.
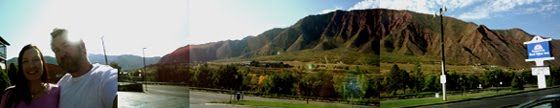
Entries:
{"x":537,"y":17}
{"x":164,"y":25}
{"x":216,"y":20}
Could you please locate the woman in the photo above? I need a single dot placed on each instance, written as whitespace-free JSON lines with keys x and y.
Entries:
{"x":31,"y":87}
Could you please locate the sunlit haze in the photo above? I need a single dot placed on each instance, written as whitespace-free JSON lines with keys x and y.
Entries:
{"x":126,"y":25}
{"x":163,"y":26}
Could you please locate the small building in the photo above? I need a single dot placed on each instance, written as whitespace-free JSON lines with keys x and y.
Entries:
{"x":271,"y":64}
{"x":3,"y":52}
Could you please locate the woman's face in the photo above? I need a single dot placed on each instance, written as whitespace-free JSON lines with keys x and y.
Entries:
{"x":32,"y":64}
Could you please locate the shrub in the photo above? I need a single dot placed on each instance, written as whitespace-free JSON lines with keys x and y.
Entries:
{"x":280,"y":84}
{"x":516,"y":83}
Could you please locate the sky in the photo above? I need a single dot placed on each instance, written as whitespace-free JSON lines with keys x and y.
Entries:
{"x":165,"y":25}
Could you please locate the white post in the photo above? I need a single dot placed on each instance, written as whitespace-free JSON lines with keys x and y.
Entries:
{"x":541,"y":81}
{"x":443,"y":79}
{"x":444,"y":98}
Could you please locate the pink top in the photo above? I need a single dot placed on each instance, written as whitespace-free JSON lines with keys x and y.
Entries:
{"x":49,"y":100}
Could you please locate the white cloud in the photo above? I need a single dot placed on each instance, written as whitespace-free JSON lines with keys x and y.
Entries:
{"x":543,"y":9}
{"x":492,"y":7}
{"x":418,"y":5}
{"x":366,"y":4}
{"x":474,"y":15}
{"x":454,"y":4}
{"x":330,"y":10}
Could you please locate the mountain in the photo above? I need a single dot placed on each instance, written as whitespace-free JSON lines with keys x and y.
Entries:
{"x":391,"y":35}
{"x":48,"y":59}
{"x":127,"y":62}
{"x":340,"y":31}
{"x":408,"y":33}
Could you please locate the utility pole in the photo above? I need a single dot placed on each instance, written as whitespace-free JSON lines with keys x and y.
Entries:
{"x":144,"y":68}
{"x":443,"y":77}
{"x":104,"y":52}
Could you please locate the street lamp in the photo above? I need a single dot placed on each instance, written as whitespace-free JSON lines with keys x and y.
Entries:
{"x":442,"y":77}
{"x":144,"y":68}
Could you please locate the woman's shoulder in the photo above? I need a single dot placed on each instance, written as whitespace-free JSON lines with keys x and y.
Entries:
{"x":7,"y":92}
{"x":54,"y":86}
{"x":10,"y":88}
{"x":54,"y":90}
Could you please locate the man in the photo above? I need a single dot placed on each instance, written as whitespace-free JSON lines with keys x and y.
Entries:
{"x":86,"y":85}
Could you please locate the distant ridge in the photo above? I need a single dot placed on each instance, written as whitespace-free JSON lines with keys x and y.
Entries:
{"x":380,"y":32}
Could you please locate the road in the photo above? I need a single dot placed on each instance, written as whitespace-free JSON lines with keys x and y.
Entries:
{"x":499,"y":101}
{"x":164,"y":96}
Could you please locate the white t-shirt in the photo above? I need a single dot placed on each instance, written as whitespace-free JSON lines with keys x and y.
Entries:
{"x":95,"y":89}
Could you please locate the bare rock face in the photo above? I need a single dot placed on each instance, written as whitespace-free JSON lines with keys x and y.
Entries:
{"x":414,"y":34}
{"x":379,"y":32}
{"x":339,"y":29}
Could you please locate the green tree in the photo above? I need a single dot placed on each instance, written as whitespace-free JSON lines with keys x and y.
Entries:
{"x":454,"y":81}
{"x":528,"y":78}
{"x":368,"y":86}
{"x":472,"y":81}
{"x":116,"y":66}
{"x":431,"y":83}
{"x":119,"y":71}
{"x":398,"y":79}
{"x":553,"y":77}
{"x":463,"y":82}
{"x":418,"y":77}
{"x":202,"y":76}
{"x":375,"y":88}
{"x":225,"y":77}
{"x":311,"y":83}
{"x":4,"y":80}
{"x":327,"y":86}
{"x":516,"y":83}
{"x":280,"y":84}
{"x":388,"y":85}
{"x":364,"y":84}
{"x":492,"y":78}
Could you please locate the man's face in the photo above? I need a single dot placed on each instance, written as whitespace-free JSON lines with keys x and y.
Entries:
{"x":68,"y":54}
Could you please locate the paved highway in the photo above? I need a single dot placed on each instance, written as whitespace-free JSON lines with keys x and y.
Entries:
{"x":164,"y":96}
{"x":499,"y":101}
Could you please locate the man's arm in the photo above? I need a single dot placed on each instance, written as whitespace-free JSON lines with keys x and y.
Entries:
{"x":115,"y":104}
{"x":110,"y":89}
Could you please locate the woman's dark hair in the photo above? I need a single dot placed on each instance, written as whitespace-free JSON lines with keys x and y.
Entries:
{"x":21,"y":89}
{"x":12,"y":73}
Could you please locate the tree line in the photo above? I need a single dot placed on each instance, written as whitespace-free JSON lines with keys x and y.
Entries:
{"x":401,"y":82}
{"x":356,"y":84}
{"x":283,"y":83}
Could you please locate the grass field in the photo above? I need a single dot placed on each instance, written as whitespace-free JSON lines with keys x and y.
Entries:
{"x":433,"y":68}
{"x":436,"y":68}
{"x":283,"y":104}
{"x":432,"y":100}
